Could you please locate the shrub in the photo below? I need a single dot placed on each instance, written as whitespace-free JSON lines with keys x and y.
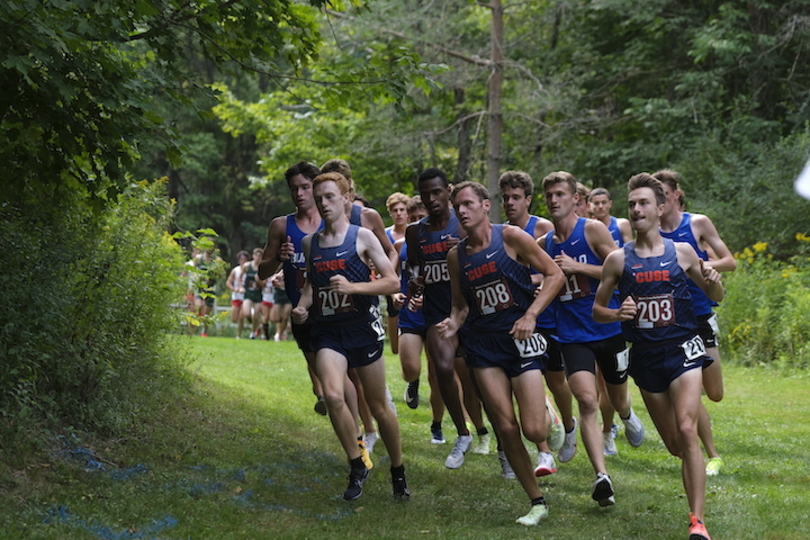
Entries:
{"x":764,"y":313}
{"x":87,"y":304}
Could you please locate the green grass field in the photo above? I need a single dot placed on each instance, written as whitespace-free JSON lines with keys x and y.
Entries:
{"x":242,"y":455}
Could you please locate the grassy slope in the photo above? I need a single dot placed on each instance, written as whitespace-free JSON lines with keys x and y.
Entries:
{"x":242,"y":455}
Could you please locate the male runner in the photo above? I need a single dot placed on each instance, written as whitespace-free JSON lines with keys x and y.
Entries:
{"x":698,"y":230}
{"x":283,"y":248}
{"x":495,"y":312}
{"x":600,"y":203}
{"x":349,"y":332}
{"x":657,"y":316}
{"x":428,"y":241}
{"x":516,"y":193}
{"x":579,"y":245}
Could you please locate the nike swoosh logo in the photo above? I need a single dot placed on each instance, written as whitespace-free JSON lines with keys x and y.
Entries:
{"x":665,"y":263}
{"x":489,"y":255}
{"x":446,"y":236}
{"x":525,"y":365}
{"x":340,"y":253}
{"x":682,"y":233}
{"x":688,"y":363}
{"x":372,"y":353}
{"x":575,"y":241}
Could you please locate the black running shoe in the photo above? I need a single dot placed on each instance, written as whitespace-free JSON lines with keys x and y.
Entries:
{"x":412,"y":394}
{"x":320,"y":406}
{"x":356,"y":479}
{"x":603,"y":490}
{"x":400,"y":485}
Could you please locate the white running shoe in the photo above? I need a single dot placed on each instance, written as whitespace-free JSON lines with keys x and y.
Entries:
{"x":506,"y":468}
{"x":482,"y":447}
{"x":370,"y":439}
{"x":633,"y":429}
{"x":610,"y":444}
{"x":538,"y":512}
{"x":545,"y":465}
{"x":462,"y":446}
{"x":556,"y":431}
{"x":569,"y":447}
{"x":390,"y":399}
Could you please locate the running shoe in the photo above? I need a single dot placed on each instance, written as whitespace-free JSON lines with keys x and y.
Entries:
{"x":412,"y":394}
{"x":614,"y":430}
{"x":462,"y":446}
{"x":603,"y":490}
{"x":633,"y":429}
{"x":713,"y":466}
{"x":364,"y":454}
{"x":556,"y":432}
{"x":356,"y":479}
{"x":436,"y":435}
{"x":482,"y":447}
{"x":320,"y":406}
{"x":399,"y":483}
{"x":569,"y":447}
{"x":370,"y":439}
{"x":506,"y":469}
{"x":538,"y":512}
{"x":697,"y":530}
{"x":610,"y":444}
{"x":545,"y":465}
{"x":390,"y":399}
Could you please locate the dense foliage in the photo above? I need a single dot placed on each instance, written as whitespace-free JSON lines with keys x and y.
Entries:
{"x":86,"y":302}
{"x":764,"y":316}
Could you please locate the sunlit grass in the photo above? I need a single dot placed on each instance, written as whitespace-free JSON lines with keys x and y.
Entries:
{"x":242,"y":455}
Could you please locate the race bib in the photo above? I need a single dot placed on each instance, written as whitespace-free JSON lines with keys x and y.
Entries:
{"x":713,"y":324}
{"x":622,"y":360}
{"x":531,"y":347}
{"x":655,"y":311}
{"x":693,"y":349}
{"x":493,"y":296}
{"x":300,"y":278}
{"x":436,"y":272}
{"x":576,"y":286}
{"x":334,"y":303}
{"x":376,"y":322}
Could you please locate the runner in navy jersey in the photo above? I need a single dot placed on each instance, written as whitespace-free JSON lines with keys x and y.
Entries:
{"x":600,"y":203}
{"x":413,"y":330}
{"x":579,"y":245}
{"x":283,"y":248}
{"x":698,"y":230}
{"x":428,"y":241}
{"x":494,"y":313}
{"x":516,"y":189}
{"x":349,"y":332}
{"x":657,"y":317}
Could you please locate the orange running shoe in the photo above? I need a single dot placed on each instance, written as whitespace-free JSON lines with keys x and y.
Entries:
{"x":697,"y":530}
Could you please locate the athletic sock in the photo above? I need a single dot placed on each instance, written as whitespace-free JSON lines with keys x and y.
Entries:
{"x":435,"y":425}
{"x":357,"y":463}
{"x":539,"y":500}
{"x":483,"y":431}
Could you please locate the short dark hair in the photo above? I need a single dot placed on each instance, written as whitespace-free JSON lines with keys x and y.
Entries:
{"x":516,"y":179}
{"x":600,"y":191}
{"x":338,"y":165}
{"x":415,"y":203}
{"x":477,"y":187}
{"x":431,"y":173}
{"x":668,"y":177}
{"x":304,"y":168}
{"x":560,"y":177}
{"x":647,"y":180}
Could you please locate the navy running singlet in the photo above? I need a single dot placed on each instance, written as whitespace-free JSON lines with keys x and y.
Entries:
{"x":326,"y":262}
{"x":659,"y":286}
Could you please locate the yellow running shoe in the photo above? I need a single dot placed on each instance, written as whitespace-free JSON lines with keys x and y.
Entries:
{"x":713,"y":466}
{"x":364,"y":454}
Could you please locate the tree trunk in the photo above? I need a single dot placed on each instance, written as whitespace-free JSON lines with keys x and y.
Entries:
{"x":494,"y":119}
{"x":464,"y":138}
